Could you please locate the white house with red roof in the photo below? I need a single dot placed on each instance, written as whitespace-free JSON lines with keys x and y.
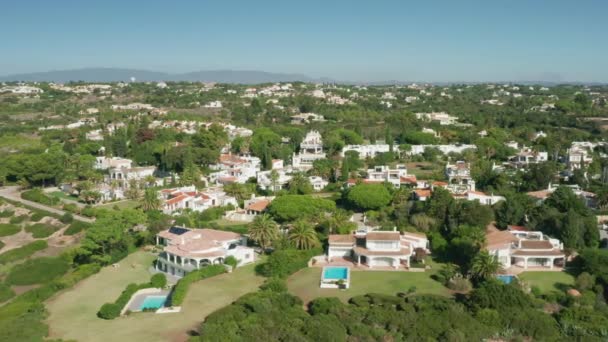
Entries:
{"x":377,"y":248}
{"x":178,"y":199}
{"x":186,"y":250}
{"x":234,"y":169}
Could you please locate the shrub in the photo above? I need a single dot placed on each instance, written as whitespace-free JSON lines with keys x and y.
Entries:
{"x":584,"y":281}
{"x":158,"y":280}
{"x":231,"y":261}
{"x":66,"y":218}
{"x":2,"y":244}
{"x":37,"y":271}
{"x":109,"y":311}
{"x":23,"y":251}
{"x":7,"y":229}
{"x":7,"y":213}
{"x":18,"y":219}
{"x":37,"y":195}
{"x":37,"y":216}
{"x":76,"y":227}
{"x":274,"y":284}
{"x":6,"y":292}
{"x":460,"y":284}
{"x":41,"y":230}
{"x":181,"y":288}
{"x":283,"y":263}
{"x":70,"y":207}
{"x":88,"y":211}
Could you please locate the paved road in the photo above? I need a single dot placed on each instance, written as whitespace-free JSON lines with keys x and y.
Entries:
{"x":12,"y":193}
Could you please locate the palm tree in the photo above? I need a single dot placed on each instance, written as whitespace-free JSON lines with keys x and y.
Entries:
{"x":263,"y":230}
{"x":303,"y":236}
{"x":337,"y":219}
{"x":484,"y":265}
{"x":150,"y":201}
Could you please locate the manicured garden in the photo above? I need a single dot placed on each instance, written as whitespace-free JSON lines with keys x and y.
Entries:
{"x":548,"y":281}
{"x":73,"y":313}
{"x":305,"y":284}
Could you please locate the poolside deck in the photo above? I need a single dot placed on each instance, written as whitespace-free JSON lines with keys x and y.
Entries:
{"x":322,"y":261}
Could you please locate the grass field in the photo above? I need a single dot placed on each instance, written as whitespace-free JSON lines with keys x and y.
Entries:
{"x":305,"y":284}
{"x":548,"y":281}
{"x":124,"y":204}
{"x":73,"y":312}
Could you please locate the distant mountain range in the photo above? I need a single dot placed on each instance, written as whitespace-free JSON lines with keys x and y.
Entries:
{"x":221,"y":76}
{"x":116,"y":75}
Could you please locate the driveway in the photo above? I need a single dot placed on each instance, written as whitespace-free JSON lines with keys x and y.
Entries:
{"x":12,"y":193}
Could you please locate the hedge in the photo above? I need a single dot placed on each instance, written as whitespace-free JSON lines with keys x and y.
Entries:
{"x":283,"y":263}
{"x":7,"y":229}
{"x":181,"y":288}
{"x":37,"y":195}
{"x":7,"y":213}
{"x":37,"y":216}
{"x":6,"y":292}
{"x":18,"y":219}
{"x":41,"y":230}
{"x":23,"y":251}
{"x":112,"y":310}
{"x":37,"y":271}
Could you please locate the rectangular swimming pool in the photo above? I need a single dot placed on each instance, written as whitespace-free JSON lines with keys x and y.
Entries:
{"x":505,"y":278}
{"x":153,"y":302}
{"x":335,"y":273}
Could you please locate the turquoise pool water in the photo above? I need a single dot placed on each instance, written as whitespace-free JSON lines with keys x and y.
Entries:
{"x":335,"y":273}
{"x":507,"y":279}
{"x":153,"y":302}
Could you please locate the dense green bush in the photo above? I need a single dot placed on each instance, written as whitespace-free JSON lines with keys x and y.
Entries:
{"x":41,"y":230}
{"x":6,"y":292}
{"x":66,"y":218}
{"x":37,"y":195}
{"x":109,"y":311}
{"x":159,"y":280}
{"x":2,"y":244}
{"x":88,"y":211}
{"x":369,"y":196}
{"x":231,"y":261}
{"x":283,"y":263}
{"x":18,"y":219}
{"x":7,"y":213}
{"x":274,"y":284}
{"x":76,"y":227}
{"x":23,"y":251}
{"x":37,"y":271}
{"x":37,"y":216}
{"x":71,"y":207}
{"x":294,"y":207}
{"x":7,"y":229}
{"x":181,"y":288}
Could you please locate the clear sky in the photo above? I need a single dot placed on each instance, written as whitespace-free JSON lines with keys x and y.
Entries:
{"x":367,"y":40}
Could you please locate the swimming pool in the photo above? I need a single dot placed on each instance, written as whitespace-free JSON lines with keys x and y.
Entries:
{"x":505,"y":278}
{"x":153,"y":302}
{"x":335,"y":273}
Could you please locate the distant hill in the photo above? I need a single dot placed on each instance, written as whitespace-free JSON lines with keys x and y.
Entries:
{"x":116,"y":74}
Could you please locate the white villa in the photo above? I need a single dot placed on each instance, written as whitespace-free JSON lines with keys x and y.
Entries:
{"x":589,"y":198}
{"x":186,"y":250}
{"x":175,"y":200}
{"x":266,"y":182}
{"x":377,"y":248}
{"x":578,"y":157}
{"x":317,"y":183}
{"x":311,"y":149}
{"x":370,"y":151}
{"x":122,"y":175}
{"x":459,"y":176}
{"x":304,"y":118}
{"x":445,"y":149}
{"x":527,"y":156}
{"x":234,"y":169}
{"x":251,"y":208}
{"x":104,"y":163}
{"x":524,"y":249}
{"x":441,"y":117}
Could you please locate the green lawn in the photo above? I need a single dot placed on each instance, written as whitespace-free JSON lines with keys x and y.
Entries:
{"x":305,"y":284}
{"x":124,"y":204}
{"x":548,"y":281}
{"x":61,"y":194}
{"x":73,"y":312}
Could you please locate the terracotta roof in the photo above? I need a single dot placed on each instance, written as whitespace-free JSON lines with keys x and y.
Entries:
{"x":365,"y":251}
{"x":478,"y":193}
{"x":414,"y":234}
{"x":536,"y":244}
{"x":541,"y":194}
{"x":517,"y":228}
{"x":408,"y":179}
{"x":557,"y":253}
{"x":341,"y":239}
{"x":383,"y":236}
{"x":499,"y":238}
{"x":177,"y":199}
{"x":258,"y":205}
{"x":423,"y":192}
{"x":440,"y":183}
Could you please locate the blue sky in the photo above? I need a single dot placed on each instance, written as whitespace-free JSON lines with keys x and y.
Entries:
{"x":347,"y":40}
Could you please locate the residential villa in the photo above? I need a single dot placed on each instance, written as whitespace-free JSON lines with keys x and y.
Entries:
{"x":459,"y":177}
{"x":483,"y":198}
{"x":526,"y":156}
{"x":304,"y":118}
{"x":122,"y":175}
{"x":234,"y":169}
{"x":589,"y":198}
{"x":251,"y":208}
{"x":175,"y":200}
{"x":377,"y":248}
{"x":441,"y":117}
{"x":524,"y":249}
{"x":578,"y":157}
{"x":368,"y":151}
{"x":104,"y":163}
{"x":186,"y":250}
{"x":311,"y":149}
{"x":318,"y":183}
{"x":398,"y":176}
{"x":445,"y":149}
